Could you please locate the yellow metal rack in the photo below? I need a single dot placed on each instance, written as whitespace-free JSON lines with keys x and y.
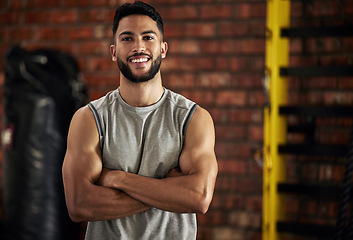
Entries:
{"x":275,"y":126}
{"x":275,"y":187}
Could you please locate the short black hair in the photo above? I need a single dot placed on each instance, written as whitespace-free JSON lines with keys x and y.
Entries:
{"x":137,"y":8}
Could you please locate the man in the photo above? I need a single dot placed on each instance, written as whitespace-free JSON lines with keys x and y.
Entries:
{"x":140,"y":161}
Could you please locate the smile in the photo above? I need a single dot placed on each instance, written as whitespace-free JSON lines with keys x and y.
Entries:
{"x":139,"y":60}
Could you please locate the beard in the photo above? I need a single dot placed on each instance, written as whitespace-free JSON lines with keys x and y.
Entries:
{"x":126,"y":70}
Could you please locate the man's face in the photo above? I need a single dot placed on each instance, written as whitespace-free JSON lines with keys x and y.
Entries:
{"x":138,"y":48}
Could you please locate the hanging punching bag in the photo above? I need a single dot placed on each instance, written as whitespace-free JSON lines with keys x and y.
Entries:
{"x":42,"y":91}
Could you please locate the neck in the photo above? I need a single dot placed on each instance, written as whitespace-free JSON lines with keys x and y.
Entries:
{"x":141,"y":94}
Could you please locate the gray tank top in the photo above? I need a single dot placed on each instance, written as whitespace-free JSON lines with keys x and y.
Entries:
{"x":145,"y":141}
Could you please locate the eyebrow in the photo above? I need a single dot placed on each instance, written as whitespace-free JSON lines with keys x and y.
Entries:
{"x":143,"y":33}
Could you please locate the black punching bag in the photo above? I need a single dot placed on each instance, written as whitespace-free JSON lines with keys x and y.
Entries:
{"x":42,"y":91}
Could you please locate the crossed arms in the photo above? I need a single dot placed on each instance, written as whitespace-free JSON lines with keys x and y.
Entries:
{"x":94,"y":193}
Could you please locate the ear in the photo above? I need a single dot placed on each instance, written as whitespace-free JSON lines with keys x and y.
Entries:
{"x":113,"y":53}
{"x":164,"y":49}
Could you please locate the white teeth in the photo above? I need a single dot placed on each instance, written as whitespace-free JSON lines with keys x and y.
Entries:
{"x":139,"y":60}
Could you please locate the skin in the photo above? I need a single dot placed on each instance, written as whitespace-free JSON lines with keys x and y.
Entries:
{"x":95,"y":193}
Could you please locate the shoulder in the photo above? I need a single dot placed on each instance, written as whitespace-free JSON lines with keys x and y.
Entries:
{"x":201,"y":127}
{"x":202,"y":118}
{"x":105,"y":100}
{"x":83,"y":125}
{"x":179,"y":100}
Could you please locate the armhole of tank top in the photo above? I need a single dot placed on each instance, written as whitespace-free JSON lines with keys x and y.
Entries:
{"x":188,"y":118}
{"x":98,"y":122}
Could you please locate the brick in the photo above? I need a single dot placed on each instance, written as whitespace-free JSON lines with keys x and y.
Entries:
{"x":256,"y":133}
{"x":338,"y":98}
{"x":21,"y":34}
{"x":80,"y":33}
{"x":76,"y":3}
{"x":320,"y":83}
{"x":248,"y":80}
{"x":100,"y":15}
{"x":95,"y":93}
{"x":179,"y":12}
{"x":2,"y":78}
{"x":345,"y":83}
{"x":246,"y":63}
{"x":221,"y":149}
{"x":213,"y":218}
{"x":250,"y":185}
{"x":100,"y":64}
{"x":200,"y":29}
{"x":213,"y":46}
{"x":230,"y":132}
{"x":250,"y":10}
{"x":214,"y":80}
{"x":325,"y":9}
{"x":98,"y":80}
{"x":348,"y":8}
{"x":246,"y":116}
{"x":228,"y":233}
{"x":64,"y":47}
{"x":257,"y":98}
{"x":347,"y":44}
{"x":233,"y":167}
{"x":223,"y":63}
{"x":10,"y":18}
{"x":51,"y":33}
{"x":233,"y":29}
{"x":257,"y":29}
{"x":216,"y":11}
{"x":17,"y":4}
{"x":183,"y":47}
{"x":63,"y":16}
{"x":44,"y":3}
{"x":94,"y":47}
{"x":168,"y":1}
{"x":245,"y":219}
{"x":187,"y":63}
{"x":296,"y":9}
{"x":240,"y":150}
{"x":36,"y":17}
{"x":199,"y":1}
{"x":225,"y":201}
{"x":249,"y":46}
{"x":179,"y":80}
{"x":254,"y":203}
{"x":201,"y":97}
{"x":204,"y":232}
{"x":229,"y":97}
{"x":226,"y":183}
{"x":100,"y":2}
{"x":296,"y":45}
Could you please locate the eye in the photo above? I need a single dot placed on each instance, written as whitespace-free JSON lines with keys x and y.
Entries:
{"x":126,"y":39}
{"x":148,"y":38}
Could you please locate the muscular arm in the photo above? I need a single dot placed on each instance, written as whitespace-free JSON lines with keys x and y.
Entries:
{"x":190,"y":191}
{"x":87,"y":201}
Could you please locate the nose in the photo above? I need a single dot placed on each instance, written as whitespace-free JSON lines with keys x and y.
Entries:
{"x":139,"y":46}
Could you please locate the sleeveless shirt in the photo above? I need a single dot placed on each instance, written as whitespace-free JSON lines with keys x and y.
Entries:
{"x":145,"y":141}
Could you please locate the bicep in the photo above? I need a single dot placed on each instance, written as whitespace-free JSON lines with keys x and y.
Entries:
{"x":198,"y":155}
{"x":83,"y":157}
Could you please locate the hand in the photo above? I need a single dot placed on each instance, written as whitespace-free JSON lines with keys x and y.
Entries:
{"x":174,"y":172}
{"x":105,"y":178}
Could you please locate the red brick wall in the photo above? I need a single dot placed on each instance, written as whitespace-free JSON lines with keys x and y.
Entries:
{"x":216,"y":58}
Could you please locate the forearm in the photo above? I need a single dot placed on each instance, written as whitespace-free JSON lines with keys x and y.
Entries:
{"x":96,"y":203}
{"x":182,"y":194}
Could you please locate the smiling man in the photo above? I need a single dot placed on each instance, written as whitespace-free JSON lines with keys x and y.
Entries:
{"x":140,"y":161}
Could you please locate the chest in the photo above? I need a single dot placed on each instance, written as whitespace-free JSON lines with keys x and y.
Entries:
{"x":147,"y":145}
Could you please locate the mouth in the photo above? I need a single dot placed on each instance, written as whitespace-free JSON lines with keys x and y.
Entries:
{"x":139,"y":59}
